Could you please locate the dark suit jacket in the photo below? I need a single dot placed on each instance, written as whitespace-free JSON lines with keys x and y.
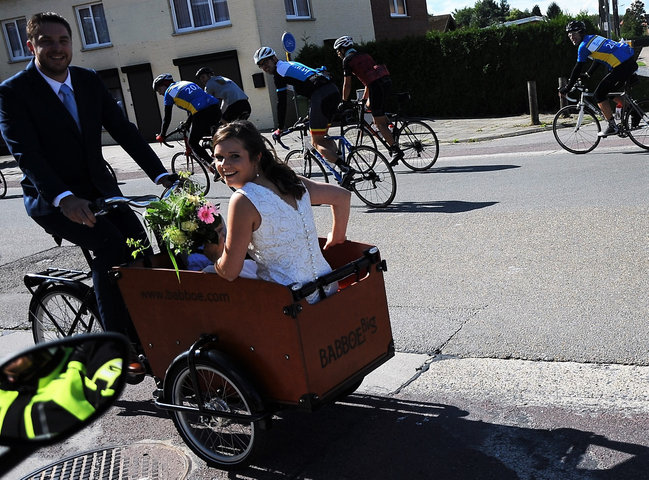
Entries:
{"x":51,"y":151}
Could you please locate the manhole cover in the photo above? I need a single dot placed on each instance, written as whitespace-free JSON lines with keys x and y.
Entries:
{"x":139,"y":461}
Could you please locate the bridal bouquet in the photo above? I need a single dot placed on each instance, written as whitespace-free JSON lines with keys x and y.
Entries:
{"x":182,"y":222}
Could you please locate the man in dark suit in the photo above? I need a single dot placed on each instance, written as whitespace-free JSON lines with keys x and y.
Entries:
{"x":61,"y":158}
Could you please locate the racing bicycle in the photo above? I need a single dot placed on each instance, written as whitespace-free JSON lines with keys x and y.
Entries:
{"x":576,"y":127}
{"x":370,"y":176}
{"x":416,"y":138}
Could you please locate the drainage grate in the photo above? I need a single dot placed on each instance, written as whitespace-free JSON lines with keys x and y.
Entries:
{"x":139,"y":461}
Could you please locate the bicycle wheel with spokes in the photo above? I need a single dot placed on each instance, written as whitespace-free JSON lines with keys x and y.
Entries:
{"x":3,"y":185}
{"x":636,"y":122}
{"x":374,"y":181}
{"x":419,"y":144}
{"x":190,"y":168}
{"x":576,"y":129}
{"x":296,"y":160}
{"x":220,"y":441}
{"x":60,"y":310}
{"x":358,"y":136}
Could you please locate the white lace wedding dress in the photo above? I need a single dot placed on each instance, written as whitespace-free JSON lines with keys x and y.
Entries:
{"x":285,"y":246}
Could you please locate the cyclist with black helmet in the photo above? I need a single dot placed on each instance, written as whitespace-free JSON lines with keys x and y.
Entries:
{"x":234,"y":102}
{"x":203,"y":109}
{"x":616,"y":56}
{"x":317,"y":86}
{"x":377,"y":82}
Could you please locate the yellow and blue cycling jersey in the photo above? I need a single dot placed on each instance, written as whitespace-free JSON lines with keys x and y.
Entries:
{"x":603,"y":50}
{"x":189,"y":97}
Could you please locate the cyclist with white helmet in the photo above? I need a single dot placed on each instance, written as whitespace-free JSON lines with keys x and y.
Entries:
{"x":315,"y":84}
{"x":377,"y":82}
{"x":234,"y":102}
{"x":618,"y":57}
{"x":203,"y":109}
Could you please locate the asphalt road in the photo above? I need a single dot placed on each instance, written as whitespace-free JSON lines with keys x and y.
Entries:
{"x":518,"y":286}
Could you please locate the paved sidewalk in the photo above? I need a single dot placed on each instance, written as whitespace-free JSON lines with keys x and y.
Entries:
{"x":453,"y":130}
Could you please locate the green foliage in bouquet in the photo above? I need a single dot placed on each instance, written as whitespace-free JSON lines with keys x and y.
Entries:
{"x":182,"y":222}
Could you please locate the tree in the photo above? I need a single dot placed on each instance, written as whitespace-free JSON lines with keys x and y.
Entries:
{"x":516,"y":14}
{"x":463,"y":17}
{"x":536,"y":11}
{"x":634,"y":20}
{"x":553,"y":11}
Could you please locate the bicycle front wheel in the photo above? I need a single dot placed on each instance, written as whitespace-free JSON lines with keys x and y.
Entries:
{"x":220,"y":441}
{"x":186,"y":166}
{"x":60,"y":310}
{"x":297,"y":161}
{"x":576,"y":129}
{"x":3,"y":185}
{"x":419,"y":144}
{"x":636,"y":122}
{"x":359,"y":135}
{"x":374,"y":181}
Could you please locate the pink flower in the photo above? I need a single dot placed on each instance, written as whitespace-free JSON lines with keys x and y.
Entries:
{"x":206,"y":213}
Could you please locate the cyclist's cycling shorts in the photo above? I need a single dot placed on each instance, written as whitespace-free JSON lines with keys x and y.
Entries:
{"x":324,"y":101}
{"x":379,"y":91}
{"x":615,"y":79}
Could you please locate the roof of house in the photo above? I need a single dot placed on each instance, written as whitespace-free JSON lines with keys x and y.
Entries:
{"x":441,"y":23}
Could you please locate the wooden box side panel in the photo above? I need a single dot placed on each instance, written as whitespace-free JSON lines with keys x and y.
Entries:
{"x":246,"y":315}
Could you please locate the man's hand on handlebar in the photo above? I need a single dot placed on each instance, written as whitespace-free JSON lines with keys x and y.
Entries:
{"x":78,"y":210}
{"x":168,"y":180}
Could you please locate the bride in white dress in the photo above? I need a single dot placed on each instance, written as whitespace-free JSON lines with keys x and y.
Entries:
{"x":269,"y":215}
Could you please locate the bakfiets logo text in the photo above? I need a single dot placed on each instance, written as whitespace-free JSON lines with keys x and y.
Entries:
{"x":343,"y":345}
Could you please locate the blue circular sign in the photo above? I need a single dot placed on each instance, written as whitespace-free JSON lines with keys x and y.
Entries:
{"x":288,"y":40}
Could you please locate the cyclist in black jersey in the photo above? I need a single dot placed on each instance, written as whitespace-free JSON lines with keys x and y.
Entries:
{"x":377,"y":82}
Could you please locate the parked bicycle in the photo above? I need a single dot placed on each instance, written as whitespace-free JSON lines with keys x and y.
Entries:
{"x":576,"y":127}
{"x":370,"y":177}
{"x":416,"y":138}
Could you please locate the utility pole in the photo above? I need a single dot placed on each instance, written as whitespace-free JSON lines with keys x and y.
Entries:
{"x":604,"y":18}
{"x":616,"y":19}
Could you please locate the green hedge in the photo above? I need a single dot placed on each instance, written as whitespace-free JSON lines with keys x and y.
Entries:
{"x":471,"y":72}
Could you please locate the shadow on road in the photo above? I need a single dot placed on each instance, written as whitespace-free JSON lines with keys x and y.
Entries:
{"x":467,"y":169}
{"x":380,"y":438}
{"x":449,"y":206}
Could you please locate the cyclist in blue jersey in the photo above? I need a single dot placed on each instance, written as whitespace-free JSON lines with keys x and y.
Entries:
{"x":315,"y":84}
{"x":618,"y":57}
{"x":203,"y":109}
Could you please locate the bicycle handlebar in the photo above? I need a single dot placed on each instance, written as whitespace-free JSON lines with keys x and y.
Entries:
{"x":102,"y":206}
{"x":181,"y":128}
{"x":301,"y":124}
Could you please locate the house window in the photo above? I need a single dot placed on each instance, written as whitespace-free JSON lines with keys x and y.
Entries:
{"x":93,"y":26}
{"x":297,"y":9}
{"x":398,"y":8}
{"x":198,"y":14}
{"x":16,"y":37}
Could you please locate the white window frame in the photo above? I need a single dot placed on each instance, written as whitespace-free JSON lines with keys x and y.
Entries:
{"x":17,"y":52}
{"x":192,"y":28}
{"x":93,"y":25}
{"x":292,"y":8}
{"x":394,"y":8}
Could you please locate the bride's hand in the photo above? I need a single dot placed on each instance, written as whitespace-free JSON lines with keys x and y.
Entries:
{"x":213,"y":251}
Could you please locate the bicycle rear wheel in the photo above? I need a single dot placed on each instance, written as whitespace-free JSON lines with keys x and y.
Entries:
{"x":419,"y":144}
{"x":636,"y":123}
{"x":576,"y":130}
{"x":374,"y":181}
{"x":3,"y":185}
{"x":61,"y":310}
{"x":189,"y":167}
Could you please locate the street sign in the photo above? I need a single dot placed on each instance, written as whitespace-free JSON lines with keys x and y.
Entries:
{"x":288,"y":40}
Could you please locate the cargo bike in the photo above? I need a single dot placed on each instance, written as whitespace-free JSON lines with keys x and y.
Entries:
{"x":227,"y":356}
